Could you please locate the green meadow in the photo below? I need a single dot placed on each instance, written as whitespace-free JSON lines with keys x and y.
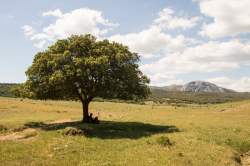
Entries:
{"x":50,"y":133}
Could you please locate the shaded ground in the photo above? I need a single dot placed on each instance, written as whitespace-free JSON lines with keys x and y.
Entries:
{"x":108,"y":129}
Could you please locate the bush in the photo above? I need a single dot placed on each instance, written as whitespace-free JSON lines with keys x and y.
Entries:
{"x":72,"y":131}
{"x":19,"y":128}
{"x":3,"y":127}
{"x":35,"y":124}
{"x":164,"y":141}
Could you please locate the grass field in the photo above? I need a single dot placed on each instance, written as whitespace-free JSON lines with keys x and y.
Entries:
{"x":49,"y":133}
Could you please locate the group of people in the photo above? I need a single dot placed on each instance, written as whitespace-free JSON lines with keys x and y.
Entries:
{"x":91,"y":120}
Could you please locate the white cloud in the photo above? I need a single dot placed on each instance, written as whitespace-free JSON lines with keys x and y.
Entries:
{"x":223,"y":82}
{"x":150,"y":42}
{"x":167,"y":83}
{"x":248,"y":64}
{"x":242,"y":85}
{"x":78,"y":22}
{"x":37,"y":23}
{"x":146,"y":43}
{"x":40,"y":45}
{"x":42,"y":36}
{"x":165,"y":20}
{"x":231,"y":17}
{"x":209,"y":57}
{"x":56,"y":13}
{"x":159,"y":77}
{"x":193,"y":41}
{"x":176,"y":44}
{"x":28,"y":30}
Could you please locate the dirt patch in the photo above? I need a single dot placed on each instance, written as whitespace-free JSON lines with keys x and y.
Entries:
{"x":60,"y":121}
{"x":17,"y":135}
{"x":13,"y":136}
{"x":241,"y":107}
{"x":246,"y":159}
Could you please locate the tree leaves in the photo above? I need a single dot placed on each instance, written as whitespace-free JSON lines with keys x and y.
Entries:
{"x":81,"y":68}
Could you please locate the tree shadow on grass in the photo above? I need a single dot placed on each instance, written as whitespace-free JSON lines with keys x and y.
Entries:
{"x":108,"y":129}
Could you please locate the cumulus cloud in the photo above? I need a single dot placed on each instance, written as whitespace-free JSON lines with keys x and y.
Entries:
{"x":40,"y":44}
{"x":150,"y":42}
{"x":42,"y":36}
{"x":209,"y":57}
{"x":159,"y":77}
{"x":56,"y":13}
{"x":176,"y":44}
{"x":224,"y":82}
{"x":230,"y":17}
{"x":241,"y":85}
{"x":166,"y":20}
{"x":167,"y":83}
{"x":28,"y":30}
{"x":146,"y":43}
{"x":77,"y":22}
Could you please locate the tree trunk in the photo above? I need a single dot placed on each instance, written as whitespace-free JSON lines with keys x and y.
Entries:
{"x":85,"y":106}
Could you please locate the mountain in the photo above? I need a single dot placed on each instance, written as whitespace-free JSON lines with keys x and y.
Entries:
{"x":173,"y":87}
{"x":196,"y":86}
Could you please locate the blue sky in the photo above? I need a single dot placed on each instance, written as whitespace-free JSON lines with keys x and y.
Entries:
{"x":178,"y":41}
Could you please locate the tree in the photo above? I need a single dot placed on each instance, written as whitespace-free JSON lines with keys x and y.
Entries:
{"x":81,"y":68}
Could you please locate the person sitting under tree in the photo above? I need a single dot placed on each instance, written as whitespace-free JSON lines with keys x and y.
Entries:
{"x":91,"y":120}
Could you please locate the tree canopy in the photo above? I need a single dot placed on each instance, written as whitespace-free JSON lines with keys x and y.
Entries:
{"x":81,"y":68}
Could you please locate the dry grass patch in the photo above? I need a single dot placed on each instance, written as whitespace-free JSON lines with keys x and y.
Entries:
{"x":202,"y":136}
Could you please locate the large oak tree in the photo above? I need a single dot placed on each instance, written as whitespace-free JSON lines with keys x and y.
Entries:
{"x":81,"y":68}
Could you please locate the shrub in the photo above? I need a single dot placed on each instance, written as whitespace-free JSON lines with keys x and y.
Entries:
{"x":164,"y":141}
{"x":3,"y":127}
{"x":180,"y":154}
{"x":34,"y":124}
{"x":72,"y":131}
{"x":19,"y":128}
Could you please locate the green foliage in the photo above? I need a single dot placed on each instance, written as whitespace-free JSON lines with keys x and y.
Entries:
{"x":34,"y":124}
{"x":81,"y":68}
{"x":180,"y":154}
{"x":5,"y":90}
{"x":200,"y":134}
{"x":164,"y":141}
{"x":195,"y":97}
{"x":3,"y":127}
{"x":72,"y":131}
{"x":19,"y":128}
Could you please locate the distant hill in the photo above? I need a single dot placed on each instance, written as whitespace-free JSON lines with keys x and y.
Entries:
{"x":198,"y":97}
{"x":194,"y":86}
{"x":5,"y":89}
{"x":173,"y":87}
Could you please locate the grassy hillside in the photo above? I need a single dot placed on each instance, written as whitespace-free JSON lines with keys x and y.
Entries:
{"x":5,"y":90}
{"x":49,"y":133}
{"x":180,"y":97}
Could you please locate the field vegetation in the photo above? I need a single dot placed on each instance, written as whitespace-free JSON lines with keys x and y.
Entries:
{"x":5,"y":90}
{"x":50,"y":133}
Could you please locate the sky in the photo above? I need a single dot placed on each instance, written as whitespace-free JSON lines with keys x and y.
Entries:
{"x":178,"y":41}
